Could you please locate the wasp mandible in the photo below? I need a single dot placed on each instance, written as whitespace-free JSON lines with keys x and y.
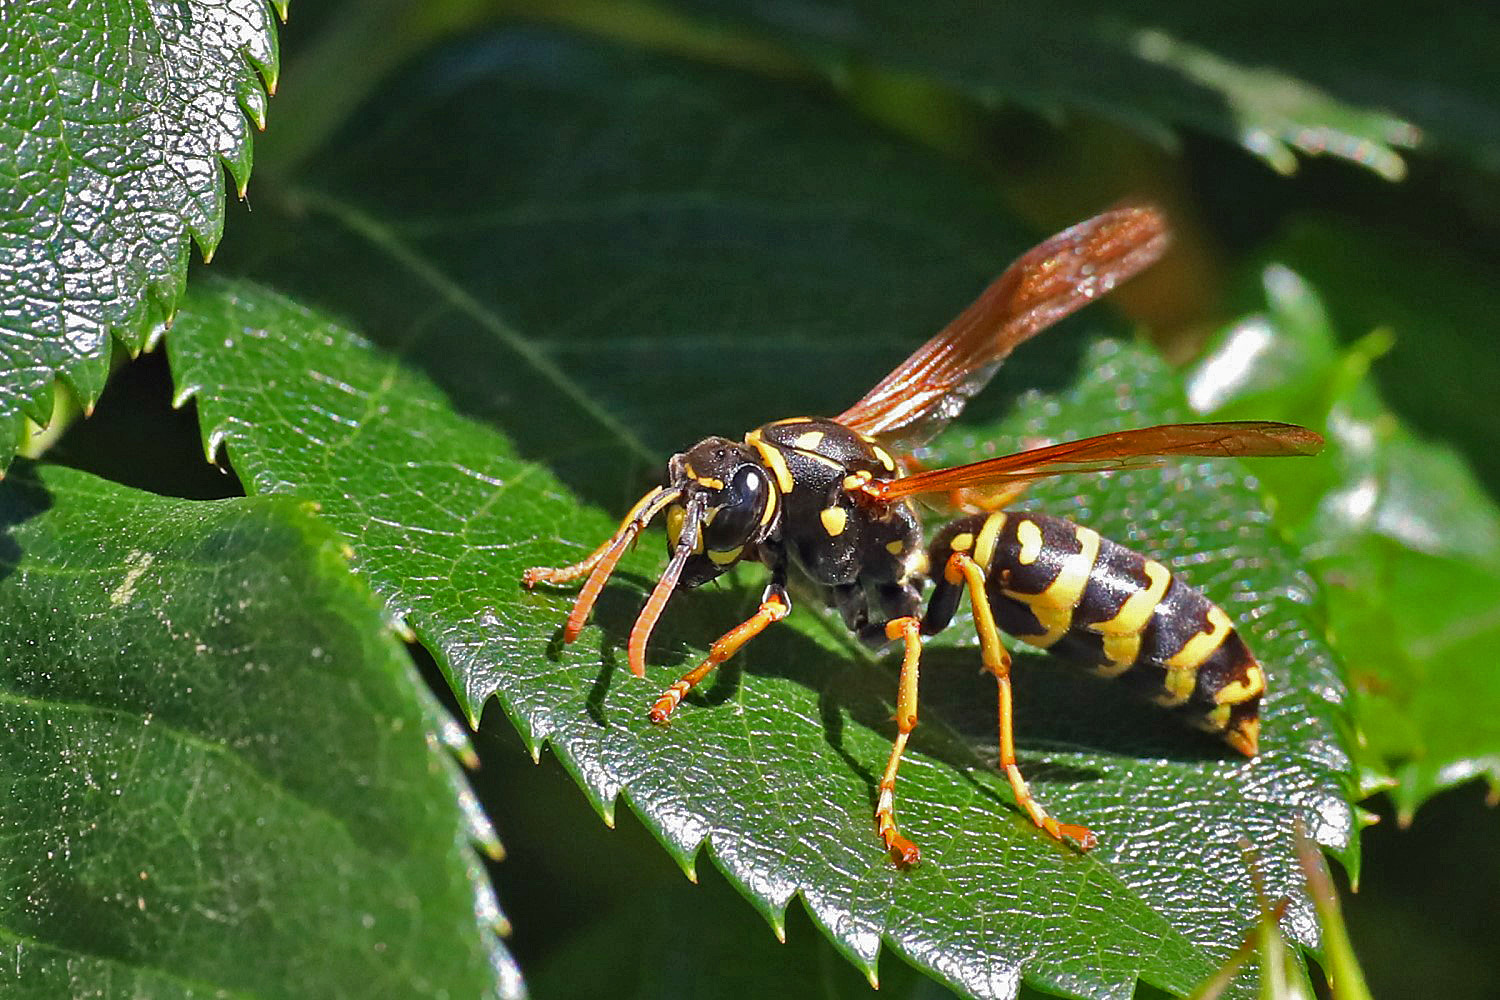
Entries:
{"x":829,"y":499}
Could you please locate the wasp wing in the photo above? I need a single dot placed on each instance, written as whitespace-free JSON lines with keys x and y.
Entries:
{"x":1045,"y":284}
{"x":1132,"y":449}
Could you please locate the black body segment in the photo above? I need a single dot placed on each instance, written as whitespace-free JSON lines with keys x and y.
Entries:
{"x":868,"y":562}
{"x":1062,"y":587}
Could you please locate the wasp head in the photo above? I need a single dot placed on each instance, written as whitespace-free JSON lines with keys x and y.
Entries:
{"x":727,"y":504}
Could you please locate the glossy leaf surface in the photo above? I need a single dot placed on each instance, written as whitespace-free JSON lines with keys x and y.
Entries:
{"x":775,"y":765}
{"x":115,"y":120}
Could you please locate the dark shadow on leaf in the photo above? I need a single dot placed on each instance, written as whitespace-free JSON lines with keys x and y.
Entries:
{"x":22,"y":497}
{"x":1058,"y":706}
{"x":600,"y":688}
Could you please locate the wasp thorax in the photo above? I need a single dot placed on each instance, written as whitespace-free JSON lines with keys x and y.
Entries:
{"x":736,"y":501}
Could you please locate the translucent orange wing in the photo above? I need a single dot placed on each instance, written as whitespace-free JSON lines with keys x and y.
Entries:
{"x":1045,"y":284}
{"x":1132,"y":449}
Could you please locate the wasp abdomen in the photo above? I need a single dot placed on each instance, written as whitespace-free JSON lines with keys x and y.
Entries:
{"x":1062,"y":587}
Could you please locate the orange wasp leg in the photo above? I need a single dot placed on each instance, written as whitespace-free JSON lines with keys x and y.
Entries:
{"x":972,"y":500}
{"x":774,"y":607}
{"x":962,"y":568}
{"x":903,"y":851}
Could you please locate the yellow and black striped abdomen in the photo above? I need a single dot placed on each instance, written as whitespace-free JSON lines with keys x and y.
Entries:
{"x":1062,"y":587}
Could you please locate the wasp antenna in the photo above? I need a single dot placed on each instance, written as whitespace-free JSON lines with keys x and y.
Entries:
{"x":646,"y":621}
{"x":640,"y":515}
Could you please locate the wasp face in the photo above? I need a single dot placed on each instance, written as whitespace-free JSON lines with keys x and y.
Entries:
{"x":735,"y":500}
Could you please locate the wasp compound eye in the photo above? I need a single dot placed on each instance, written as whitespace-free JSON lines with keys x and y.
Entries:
{"x":734,"y":521}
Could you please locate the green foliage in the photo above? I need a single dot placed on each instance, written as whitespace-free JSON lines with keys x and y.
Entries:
{"x":1154,"y":67}
{"x":115,"y":118}
{"x":775,"y":768}
{"x":220,"y":774}
{"x":496,"y":274}
{"x":1403,"y":536}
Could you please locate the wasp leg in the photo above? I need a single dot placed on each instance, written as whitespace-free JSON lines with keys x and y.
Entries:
{"x":971,"y":500}
{"x":903,"y":851}
{"x":571,"y":572}
{"x":774,"y":606}
{"x":962,"y":568}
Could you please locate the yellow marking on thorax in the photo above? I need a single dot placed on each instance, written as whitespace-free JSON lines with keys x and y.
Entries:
{"x":984,"y":545}
{"x":726,"y":556}
{"x":961,"y":542}
{"x":1252,"y":685}
{"x":823,"y":460}
{"x":856,"y":480}
{"x":774,"y":461}
{"x":895,"y":548}
{"x":1029,"y":534}
{"x":885,"y":457}
{"x":834,"y":519}
{"x":1201,"y":646}
{"x":1054,"y":606}
{"x":1135,"y":612}
{"x":790,"y":420}
{"x":808,"y":441}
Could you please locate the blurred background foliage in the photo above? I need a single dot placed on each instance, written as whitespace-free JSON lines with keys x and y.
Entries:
{"x":1333,"y":173}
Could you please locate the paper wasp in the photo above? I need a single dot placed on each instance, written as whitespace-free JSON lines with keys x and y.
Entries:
{"x":827,"y":498}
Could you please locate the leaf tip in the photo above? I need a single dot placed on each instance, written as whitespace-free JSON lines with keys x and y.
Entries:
{"x":213,"y":445}
{"x":184,"y":394}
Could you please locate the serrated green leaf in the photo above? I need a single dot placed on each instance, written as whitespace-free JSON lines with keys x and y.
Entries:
{"x":778,"y":779}
{"x":1405,"y":539}
{"x":1267,"y":83}
{"x":222,"y":777}
{"x":114,"y":119}
{"x":647,"y":251}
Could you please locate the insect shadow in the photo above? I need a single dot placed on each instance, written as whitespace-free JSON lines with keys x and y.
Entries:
{"x":1059,"y":707}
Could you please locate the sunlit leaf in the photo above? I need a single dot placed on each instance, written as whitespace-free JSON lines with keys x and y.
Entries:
{"x":115,"y":120}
